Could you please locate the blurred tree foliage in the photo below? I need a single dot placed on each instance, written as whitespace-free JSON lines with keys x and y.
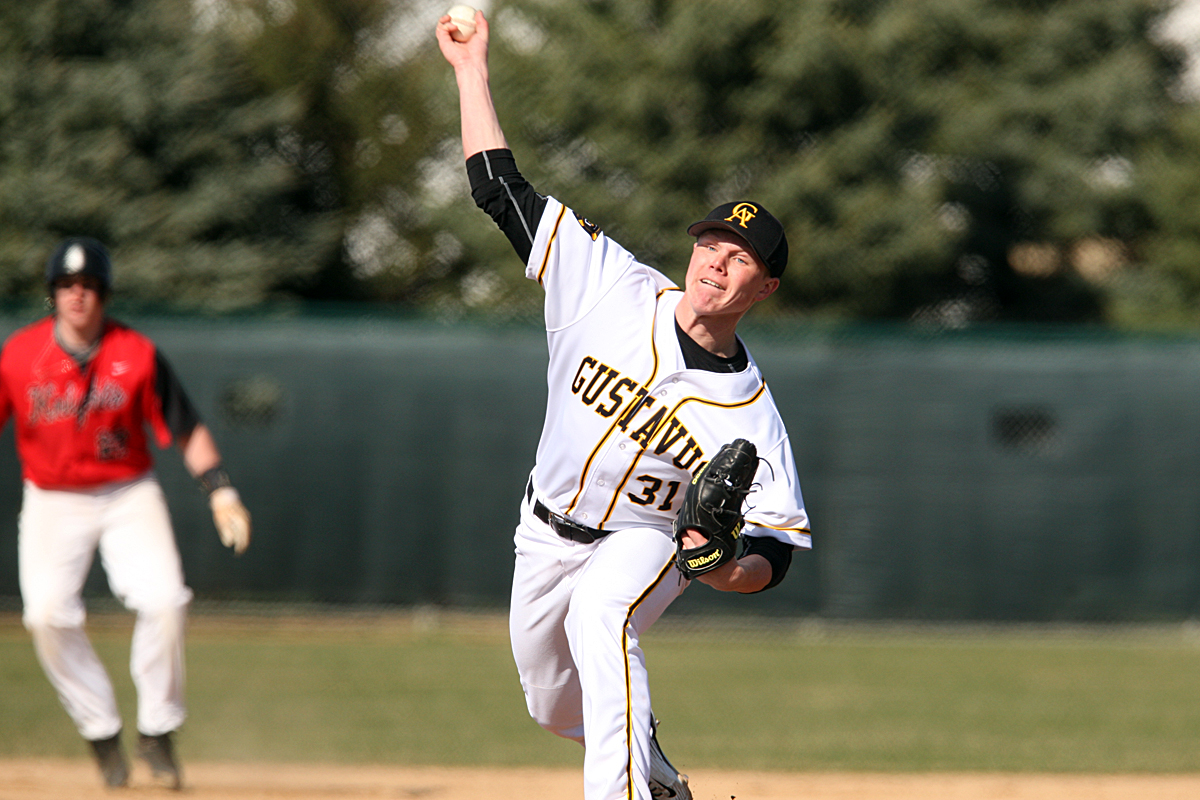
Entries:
{"x":944,"y":161}
{"x":1165,"y":293}
{"x":940,"y":160}
{"x":119,"y":120}
{"x":374,"y":132}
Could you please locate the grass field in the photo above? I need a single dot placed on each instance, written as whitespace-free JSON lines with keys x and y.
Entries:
{"x":429,"y":688}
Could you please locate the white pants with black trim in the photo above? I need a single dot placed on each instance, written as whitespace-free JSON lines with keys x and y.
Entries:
{"x":577,"y":613}
{"x":58,"y":534}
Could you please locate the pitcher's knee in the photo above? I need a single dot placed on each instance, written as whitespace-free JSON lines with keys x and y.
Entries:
{"x":595,"y":618}
{"x":567,"y":730}
{"x":555,"y":711}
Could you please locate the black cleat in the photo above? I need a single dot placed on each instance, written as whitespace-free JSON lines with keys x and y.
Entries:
{"x":111,"y":758}
{"x":159,"y":753}
{"x":666,"y":782}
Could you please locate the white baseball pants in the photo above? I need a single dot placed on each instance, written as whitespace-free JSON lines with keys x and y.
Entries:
{"x":577,"y":613}
{"x":58,"y":534}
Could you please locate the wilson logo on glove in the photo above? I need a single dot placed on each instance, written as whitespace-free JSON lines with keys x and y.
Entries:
{"x":697,"y":563}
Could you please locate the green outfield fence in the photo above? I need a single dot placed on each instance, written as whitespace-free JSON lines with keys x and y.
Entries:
{"x":1003,"y":474}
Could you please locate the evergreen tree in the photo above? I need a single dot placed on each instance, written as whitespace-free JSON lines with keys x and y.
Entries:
{"x":380,"y":131}
{"x":1165,"y":291}
{"x":123,"y":120}
{"x":940,"y":160}
{"x":945,"y":160}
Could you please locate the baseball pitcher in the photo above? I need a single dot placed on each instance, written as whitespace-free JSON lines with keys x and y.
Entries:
{"x":662,"y":458}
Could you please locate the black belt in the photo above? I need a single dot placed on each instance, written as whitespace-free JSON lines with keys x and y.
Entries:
{"x":560,"y":524}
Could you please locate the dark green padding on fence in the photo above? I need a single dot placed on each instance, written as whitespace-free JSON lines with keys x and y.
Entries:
{"x":960,"y":477}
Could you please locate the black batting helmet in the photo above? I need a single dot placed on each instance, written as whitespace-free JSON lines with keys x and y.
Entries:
{"x":80,"y":255}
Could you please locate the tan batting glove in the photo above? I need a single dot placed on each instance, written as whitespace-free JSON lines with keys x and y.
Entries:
{"x":231,"y":518}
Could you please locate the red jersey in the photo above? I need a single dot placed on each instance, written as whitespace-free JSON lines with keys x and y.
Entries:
{"x":82,"y":427}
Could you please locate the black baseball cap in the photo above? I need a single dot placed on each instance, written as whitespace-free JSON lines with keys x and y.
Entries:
{"x":753,"y":223}
{"x":80,"y":255}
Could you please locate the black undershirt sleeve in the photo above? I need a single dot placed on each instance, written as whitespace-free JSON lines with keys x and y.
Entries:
{"x":499,"y":189}
{"x":777,"y":553}
{"x":177,"y":410}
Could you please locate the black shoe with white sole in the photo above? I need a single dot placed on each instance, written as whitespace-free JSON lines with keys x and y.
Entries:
{"x":666,"y":782}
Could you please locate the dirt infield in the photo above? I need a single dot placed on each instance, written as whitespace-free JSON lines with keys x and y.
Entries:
{"x":50,"y":779}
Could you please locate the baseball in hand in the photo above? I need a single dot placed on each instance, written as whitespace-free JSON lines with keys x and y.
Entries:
{"x":463,"y":18}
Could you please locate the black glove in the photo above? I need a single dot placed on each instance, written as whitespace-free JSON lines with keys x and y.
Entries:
{"x":712,"y":505}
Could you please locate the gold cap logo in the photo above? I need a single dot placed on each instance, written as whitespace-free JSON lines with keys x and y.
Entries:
{"x":742,"y":213}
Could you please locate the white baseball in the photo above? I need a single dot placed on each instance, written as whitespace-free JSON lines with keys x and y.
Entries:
{"x":463,"y":18}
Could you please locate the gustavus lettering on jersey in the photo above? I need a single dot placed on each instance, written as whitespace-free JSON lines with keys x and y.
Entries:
{"x":655,"y":430}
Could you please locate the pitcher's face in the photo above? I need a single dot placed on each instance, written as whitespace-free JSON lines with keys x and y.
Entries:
{"x":724,"y":276}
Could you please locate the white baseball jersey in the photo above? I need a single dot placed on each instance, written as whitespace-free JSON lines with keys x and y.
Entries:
{"x":627,"y":424}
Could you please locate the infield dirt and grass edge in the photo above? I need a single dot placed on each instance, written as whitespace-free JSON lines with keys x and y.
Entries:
{"x":426,"y":687}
